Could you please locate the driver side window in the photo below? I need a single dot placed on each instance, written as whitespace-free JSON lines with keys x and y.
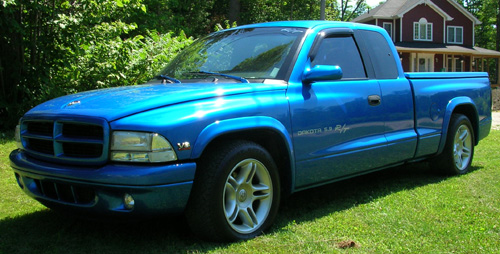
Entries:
{"x":341,"y":51}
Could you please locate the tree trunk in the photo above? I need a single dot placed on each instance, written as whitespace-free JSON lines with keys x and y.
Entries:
{"x":234,"y":11}
{"x":498,"y":27}
{"x":323,"y":6}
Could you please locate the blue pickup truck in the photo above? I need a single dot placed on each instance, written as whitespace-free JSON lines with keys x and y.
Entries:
{"x":244,"y":117}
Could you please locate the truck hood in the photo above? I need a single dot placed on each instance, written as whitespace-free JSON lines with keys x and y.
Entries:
{"x":115,"y":103}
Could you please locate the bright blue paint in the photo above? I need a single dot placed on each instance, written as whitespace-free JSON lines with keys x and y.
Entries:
{"x":223,"y":127}
{"x":133,"y":99}
{"x":320,"y":72}
{"x":445,"y":75}
{"x":484,"y":128}
{"x":150,"y":199}
{"x":450,"y":108}
{"x":188,"y":121}
{"x":116,"y":174}
{"x":58,"y":140}
{"x":329,"y":128}
{"x":447,"y":95}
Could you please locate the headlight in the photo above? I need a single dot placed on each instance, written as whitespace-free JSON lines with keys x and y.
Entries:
{"x":140,"y":147}
{"x":17,"y":136}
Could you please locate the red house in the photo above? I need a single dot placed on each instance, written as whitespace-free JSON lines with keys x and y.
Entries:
{"x":432,"y":35}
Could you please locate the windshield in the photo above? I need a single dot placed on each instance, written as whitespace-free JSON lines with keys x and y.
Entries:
{"x":257,"y":53}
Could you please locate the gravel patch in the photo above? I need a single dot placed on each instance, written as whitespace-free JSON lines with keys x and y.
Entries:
{"x":496,"y":99}
{"x":496,"y":121}
{"x":496,"y":109}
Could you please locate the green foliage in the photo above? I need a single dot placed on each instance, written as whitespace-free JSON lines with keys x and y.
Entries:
{"x":118,"y":62}
{"x":218,"y":26}
{"x":486,"y":11}
{"x":49,"y":48}
{"x":164,"y":16}
{"x":52,"y":48}
{"x":265,"y":10}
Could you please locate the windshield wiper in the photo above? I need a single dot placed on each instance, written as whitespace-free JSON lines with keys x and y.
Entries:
{"x":241,"y":79}
{"x":165,"y":77}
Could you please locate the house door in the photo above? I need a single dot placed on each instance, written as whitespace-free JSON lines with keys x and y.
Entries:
{"x":455,"y":64}
{"x":422,"y":62}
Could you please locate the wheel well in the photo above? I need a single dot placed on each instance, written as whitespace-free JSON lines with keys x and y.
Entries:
{"x":469,"y":112}
{"x":272,"y":142}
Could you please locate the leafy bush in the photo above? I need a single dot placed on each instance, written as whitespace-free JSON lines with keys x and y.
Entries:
{"x":57,"y":47}
{"x":117,"y":62}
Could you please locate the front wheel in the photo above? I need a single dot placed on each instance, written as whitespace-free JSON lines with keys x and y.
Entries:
{"x":458,"y":152}
{"x":236,"y":193}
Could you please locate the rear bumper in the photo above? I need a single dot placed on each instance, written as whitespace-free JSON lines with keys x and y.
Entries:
{"x":156,"y":189}
{"x":484,"y":128}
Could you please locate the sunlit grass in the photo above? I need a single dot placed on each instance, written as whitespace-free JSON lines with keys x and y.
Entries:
{"x":400,"y":210}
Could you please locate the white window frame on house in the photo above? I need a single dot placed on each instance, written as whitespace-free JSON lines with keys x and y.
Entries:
{"x":419,"y":34}
{"x":388,"y":27}
{"x":455,"y":29}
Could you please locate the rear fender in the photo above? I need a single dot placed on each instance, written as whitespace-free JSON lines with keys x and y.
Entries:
{"x":451,"y":108}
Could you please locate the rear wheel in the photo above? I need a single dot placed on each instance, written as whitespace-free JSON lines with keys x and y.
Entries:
{"x":236,"y":193}
{"x":458,"y":152}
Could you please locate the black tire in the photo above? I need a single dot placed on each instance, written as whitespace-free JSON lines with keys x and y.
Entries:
{"x":236,"y":193}
{"x":458,"y":152}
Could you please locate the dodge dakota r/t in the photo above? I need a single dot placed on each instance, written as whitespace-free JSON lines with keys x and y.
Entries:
{"x":244,"y":117}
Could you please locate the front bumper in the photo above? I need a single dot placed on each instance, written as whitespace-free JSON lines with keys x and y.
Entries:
{"x":156,"y":189}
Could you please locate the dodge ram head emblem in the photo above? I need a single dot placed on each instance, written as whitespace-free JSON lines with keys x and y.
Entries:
{"x":73,"y":103}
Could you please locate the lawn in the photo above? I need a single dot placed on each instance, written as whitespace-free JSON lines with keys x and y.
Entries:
{"x":401,"y":210}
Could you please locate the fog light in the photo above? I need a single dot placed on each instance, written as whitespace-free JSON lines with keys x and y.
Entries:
{"x":128,"y":201}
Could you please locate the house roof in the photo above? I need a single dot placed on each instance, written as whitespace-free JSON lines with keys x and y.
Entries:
{"x":387,"y":10}
{"x":422,"y":47}
{"x":392,"y":9}
{"x":486,"y":52}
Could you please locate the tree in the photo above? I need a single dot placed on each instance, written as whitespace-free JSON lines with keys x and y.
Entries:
{"x":487,"y":34}
{"x":50,"y":48}
{"x":487,"y":11}
{"x":349,"y":12}
{"x":234,"y":11}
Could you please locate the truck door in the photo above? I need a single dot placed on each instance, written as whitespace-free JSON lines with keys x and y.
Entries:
{"x":397,"y":97}
{"x":338,"y":126}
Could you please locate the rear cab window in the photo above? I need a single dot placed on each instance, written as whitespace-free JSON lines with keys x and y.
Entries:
{"x":376,"y":48}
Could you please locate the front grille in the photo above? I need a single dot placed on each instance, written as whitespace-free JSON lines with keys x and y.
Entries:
{"x":64,"y":192}
{"x":41,"y":128}
{"x":79,"y":142}
{"x":79,"y":150}
{"x":41,"y":145}
{"x":82,"y":131}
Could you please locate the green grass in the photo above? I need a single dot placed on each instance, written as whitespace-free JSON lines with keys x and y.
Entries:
{"x":401,"y":210}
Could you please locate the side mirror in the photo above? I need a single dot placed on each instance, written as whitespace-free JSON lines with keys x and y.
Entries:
{"x":322,"y":72}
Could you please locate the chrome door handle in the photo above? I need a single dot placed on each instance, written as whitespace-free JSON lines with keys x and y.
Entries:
{"x":374,"y":100}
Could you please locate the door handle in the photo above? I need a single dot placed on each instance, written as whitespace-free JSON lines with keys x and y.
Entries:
{"x":374,"y":100}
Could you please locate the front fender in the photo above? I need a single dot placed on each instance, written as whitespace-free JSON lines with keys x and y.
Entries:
{"x":220,"y":128}
{"x":242,"y":126}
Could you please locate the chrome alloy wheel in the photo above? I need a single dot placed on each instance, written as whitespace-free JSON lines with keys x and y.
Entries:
{"x":462,"y":147}
{"x":247,"y":196}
